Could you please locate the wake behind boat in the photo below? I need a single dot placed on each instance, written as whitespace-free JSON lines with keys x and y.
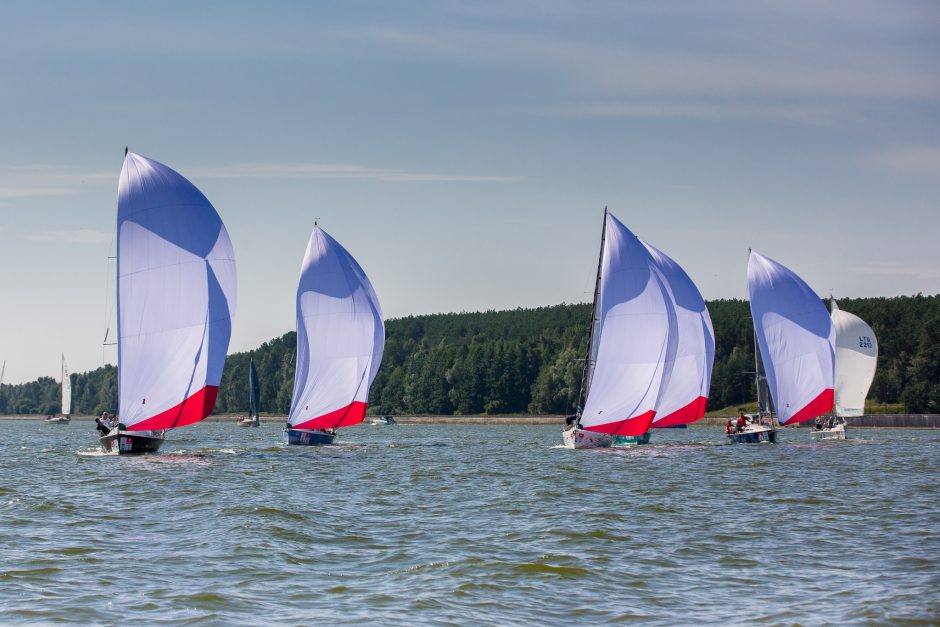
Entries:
{"x":340,"y":340}
{"x":173,"y":251}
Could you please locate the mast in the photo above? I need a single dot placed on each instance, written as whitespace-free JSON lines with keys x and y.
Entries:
{"x":760,"y":377}
{"x":589,"y":359}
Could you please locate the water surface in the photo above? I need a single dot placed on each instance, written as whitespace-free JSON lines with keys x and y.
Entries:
{"x":433,"y":524}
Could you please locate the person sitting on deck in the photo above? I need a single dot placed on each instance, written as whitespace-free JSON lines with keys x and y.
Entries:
{"x":729,"y":428}
{"x":570,"y":422}
{"x":103,"y":424}
{"x":742,"y":420}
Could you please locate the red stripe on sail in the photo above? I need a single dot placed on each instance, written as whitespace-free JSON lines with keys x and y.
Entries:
{"x":352,"y":414}
{"x":684,"y":415}
{"x":816,"y":407}
{"x":638,"y":425}
{"x":193,"y":409}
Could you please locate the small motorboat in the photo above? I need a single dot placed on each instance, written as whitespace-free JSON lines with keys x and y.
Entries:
{"x":385,"y":420}
{"x":132,"y":442}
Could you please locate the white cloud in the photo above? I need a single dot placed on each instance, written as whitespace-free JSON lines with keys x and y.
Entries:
{"x":52,"y":181}
{"x":79,"y":236}
{"x":911,"y":159}
{"x":796,"y":113}
{"x":892,"y":268}
{"x":33,"y":192}
{"x":335,"y":171}
{"x":751,"y":68}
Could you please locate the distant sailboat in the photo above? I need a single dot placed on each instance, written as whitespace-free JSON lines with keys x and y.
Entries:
{"x":66,"y":389}
{"x":340,"y":340}
{"x":632,"y":337}
{"x":794,"y":347}
{"x":856,"y":362}
{"x":175,"y":300}
{"x":254,"y":398}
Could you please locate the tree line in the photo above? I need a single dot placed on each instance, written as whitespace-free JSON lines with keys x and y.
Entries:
{"x":527,"y":361}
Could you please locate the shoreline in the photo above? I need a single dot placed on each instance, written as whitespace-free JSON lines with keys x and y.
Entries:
{"x":869,"y":421}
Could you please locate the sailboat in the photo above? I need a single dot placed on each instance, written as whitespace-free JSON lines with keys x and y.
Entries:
{"x":254,"y":398}
{"x":175,"y":300}
{"x":856,"y":362}
{"x":793,"y":349}
{"x":66,"y":417}
{"x":340,"y":340}
{"x":633,"y":335}
{"x":690,"y":356}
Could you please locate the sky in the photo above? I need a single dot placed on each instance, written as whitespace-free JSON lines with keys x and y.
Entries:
{"x":464,"y":152}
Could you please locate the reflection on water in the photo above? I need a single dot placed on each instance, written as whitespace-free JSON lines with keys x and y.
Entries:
{"x":436,"y":524}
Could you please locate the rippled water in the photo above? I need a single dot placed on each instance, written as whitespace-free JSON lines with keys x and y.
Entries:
{"x":467,"y":524}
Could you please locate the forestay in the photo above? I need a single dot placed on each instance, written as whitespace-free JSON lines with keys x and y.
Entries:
{"x":340,"y":338}
{"x":176,"y":297}
{"x":636,"y":320}
{"x":683,"y":393}
{"x":856,"y":360}
{"x":795,"y":337}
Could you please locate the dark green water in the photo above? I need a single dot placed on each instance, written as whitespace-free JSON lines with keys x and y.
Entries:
{"x":468,"y":524}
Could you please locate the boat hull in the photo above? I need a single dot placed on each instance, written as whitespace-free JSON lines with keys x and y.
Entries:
{"x":248,"y":422}
{"x":579,"y":438}
{"x":753,"y":436}
{"x":58,"y":420}
{"x":632,"y":440}
{"x":308,"y":437}
{"x":835,"y":433}
{"x":131,"y":443}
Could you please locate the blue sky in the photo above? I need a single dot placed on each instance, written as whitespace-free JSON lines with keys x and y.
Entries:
{"x":464,"y":152}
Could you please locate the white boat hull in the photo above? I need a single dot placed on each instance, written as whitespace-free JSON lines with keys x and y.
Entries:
{"x":579,"y":438}
{"x":835,"y":433}
{"x":58,"y":420}
{"x":248,"y":422}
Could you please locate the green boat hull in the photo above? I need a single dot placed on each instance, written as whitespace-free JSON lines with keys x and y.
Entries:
{"x":632,"y":440}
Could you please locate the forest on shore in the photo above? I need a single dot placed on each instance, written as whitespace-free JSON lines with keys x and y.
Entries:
{"x":527,"y":361}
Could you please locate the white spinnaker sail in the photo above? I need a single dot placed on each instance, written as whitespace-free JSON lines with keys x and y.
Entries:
{"x":176,"y":297}
{"x":340,"y":338}
{"x":795,"y":336}
{"x":683,"y":394}
{"x":66,"y":389}
{"x":636,"y":321}
{"x":856,"y":361}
